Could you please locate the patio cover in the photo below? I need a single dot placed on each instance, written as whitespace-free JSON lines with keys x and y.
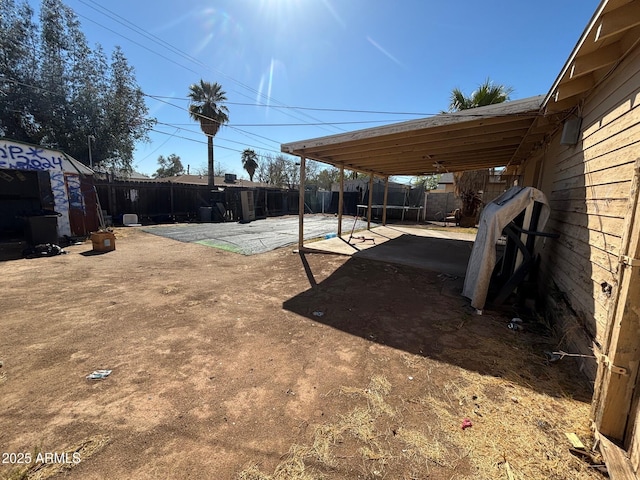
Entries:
{"x":479,"y":138}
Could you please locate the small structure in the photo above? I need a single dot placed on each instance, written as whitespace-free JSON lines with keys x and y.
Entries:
{"x":44,"y":194}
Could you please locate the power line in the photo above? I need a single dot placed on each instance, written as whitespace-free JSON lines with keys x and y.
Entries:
{"x":127,"y":24}
{"x":160,"y":146}
{"x":297,"y":124}
{"x":459,"y":113}
{"x":316,"y":109}
{"x":178,"y":127}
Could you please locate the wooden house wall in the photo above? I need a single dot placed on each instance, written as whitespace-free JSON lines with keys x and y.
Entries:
{"x":588,"y":188}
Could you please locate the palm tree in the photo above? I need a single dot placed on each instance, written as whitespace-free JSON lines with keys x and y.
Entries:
{"x":487,"y":93}
{"x":205,"y":106}
{"x":249,"y":162}
{"x":468,"y":184}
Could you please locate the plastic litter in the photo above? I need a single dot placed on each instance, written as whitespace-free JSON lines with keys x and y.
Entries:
{"x":514,"y":326}
{"x":318,"y":313}
{"x":466,"y":423}
{"x":330,"y":235}
{"x":99,"y":374}
{"x":516,"y":320}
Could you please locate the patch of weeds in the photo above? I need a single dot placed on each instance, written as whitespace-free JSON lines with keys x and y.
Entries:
{"x":420,"y":447}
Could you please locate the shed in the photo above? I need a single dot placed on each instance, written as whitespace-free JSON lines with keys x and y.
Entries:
{"x":580,"y":145}
{"x":44,"y":194}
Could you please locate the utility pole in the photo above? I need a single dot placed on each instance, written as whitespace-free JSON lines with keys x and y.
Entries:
{"x":89,"y":139}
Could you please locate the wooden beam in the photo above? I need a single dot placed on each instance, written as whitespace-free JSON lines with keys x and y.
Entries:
{"x":341,"y":200}
{"x":618,"y":20}
{"x":426,"y":155}
{"x":301,"y":204}
{"x":370,"y":201}
{"x":384,"y":202}
{"x":426,"y":139}
{"x":613,"y":389}
{"x":618,"y":465}
{"x":491,"y":114}
{"x":571,"y":88}
{"x":591,"y":62}
{"x":562,"y":105}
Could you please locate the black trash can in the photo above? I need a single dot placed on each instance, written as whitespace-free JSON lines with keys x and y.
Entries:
{"x":205,"y":214}
{"x":42,"y":229}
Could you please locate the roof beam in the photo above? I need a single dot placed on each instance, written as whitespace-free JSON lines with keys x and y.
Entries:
{"x":425,"y":146}
{"x":562,"y":105}
{"x":420,"y":152}
{"x":618,"y":20}
{"x":591,"y":62}
{"x":402,"y":131}
{"x":571,"y":88}
{"x":451,"y":160}
{"x":423,"y":138}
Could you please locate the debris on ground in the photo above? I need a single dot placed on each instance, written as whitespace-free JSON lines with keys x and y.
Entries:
{"x":43,"y":250}
{"x":99,"y":374}
{"x":575,"y":441}
{"x":466,"y":423}
{"x":515,"y":325}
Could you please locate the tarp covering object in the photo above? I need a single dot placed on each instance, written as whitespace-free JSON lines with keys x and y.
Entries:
{"x":495,"y":216}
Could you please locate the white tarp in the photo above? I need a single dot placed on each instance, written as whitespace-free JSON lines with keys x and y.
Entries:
{"x":495,"y":216}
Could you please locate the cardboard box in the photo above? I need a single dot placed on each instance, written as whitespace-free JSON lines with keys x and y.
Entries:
{"x":103,"y":241}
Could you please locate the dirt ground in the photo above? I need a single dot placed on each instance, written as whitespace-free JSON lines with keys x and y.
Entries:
{"x":272,"y":366}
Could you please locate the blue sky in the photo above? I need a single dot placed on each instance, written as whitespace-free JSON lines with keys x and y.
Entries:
{"x":347,"y":56}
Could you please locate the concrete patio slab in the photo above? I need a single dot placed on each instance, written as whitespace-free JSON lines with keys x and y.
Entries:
{"x":254,"y":237}
{"x":437,"y":250}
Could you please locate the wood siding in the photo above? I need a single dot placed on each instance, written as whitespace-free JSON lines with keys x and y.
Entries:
{"x":588,"y":188}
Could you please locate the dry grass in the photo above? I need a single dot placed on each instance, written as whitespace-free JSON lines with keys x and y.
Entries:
{"x":517,"y":432}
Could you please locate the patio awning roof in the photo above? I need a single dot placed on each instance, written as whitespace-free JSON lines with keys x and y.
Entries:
{"x":484,"y":137}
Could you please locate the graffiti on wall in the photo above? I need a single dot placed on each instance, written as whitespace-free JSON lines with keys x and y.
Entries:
{"x":76,"y":199}
{"x":25,"y":157}
{"x":61,"y":202}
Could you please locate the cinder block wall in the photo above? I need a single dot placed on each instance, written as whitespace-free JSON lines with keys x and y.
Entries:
{"x":440,"y":204}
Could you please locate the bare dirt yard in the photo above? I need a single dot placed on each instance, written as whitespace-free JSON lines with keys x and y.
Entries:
{"x":271,"y":366}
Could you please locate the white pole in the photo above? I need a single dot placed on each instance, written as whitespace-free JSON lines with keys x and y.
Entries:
{"x":89,"y":138}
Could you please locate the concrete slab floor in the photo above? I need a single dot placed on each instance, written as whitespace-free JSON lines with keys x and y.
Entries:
{"x":436,"y":250}
{"x":258,"y":236}
{"x":443,"y":250}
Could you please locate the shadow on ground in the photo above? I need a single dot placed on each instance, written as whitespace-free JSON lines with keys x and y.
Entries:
{"x":443,"y":255}
{"x":423,"y":312}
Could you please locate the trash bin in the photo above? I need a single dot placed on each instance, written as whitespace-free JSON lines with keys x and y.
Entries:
{"x":42,"y":229}
{"x":205,"y":214}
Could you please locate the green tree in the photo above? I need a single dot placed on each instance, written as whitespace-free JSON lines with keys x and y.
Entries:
{"x":468,"y":185}
{"x":205,"y":106}
{"x":18,"y":70}
{"x":126,"y":116}
{"x":53,"y":107}
{"x":326,"y":177}
{"x":487,"y":93}
{"x":282,"y":171}
{"x":249,"y":162}
{"x":57,"y":91}
{"x":427,"y":182}
{"x":169,"y":167}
